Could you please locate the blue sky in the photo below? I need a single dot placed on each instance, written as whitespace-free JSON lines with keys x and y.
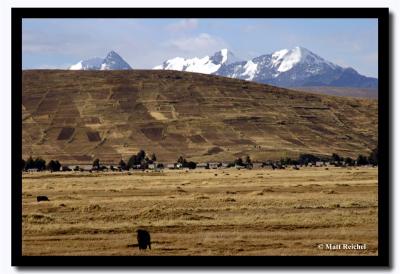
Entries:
{"x":145,"y":43}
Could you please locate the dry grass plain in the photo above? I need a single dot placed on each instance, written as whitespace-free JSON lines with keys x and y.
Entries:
{"x":202,"y":212}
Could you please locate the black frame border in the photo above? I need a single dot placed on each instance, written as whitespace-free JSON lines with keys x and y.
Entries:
{"x":382,"y":14}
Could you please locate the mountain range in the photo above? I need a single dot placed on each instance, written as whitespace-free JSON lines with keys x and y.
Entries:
{"x":297,"y":67}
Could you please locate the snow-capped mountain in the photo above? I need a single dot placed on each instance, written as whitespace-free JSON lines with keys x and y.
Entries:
{"x":287,"y":68}
{"x":207,"y":64}
{"x":296,"y":67}
{"x":111,"y":62}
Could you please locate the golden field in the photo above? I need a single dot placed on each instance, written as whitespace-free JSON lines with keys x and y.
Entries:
{"x":201,"y":212}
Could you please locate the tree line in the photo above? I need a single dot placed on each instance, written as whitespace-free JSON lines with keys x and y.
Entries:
{"x":141,"y":160}
{"x":335,"y":159}
{"x":40,"y":164}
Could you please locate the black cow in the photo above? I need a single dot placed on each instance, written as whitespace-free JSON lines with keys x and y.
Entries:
{"x":143,"y":238}
{"x":42,"y":198}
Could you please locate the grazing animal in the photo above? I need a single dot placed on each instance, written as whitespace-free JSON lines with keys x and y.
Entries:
{"x":42,"y":198}
{"x":143,"y":238}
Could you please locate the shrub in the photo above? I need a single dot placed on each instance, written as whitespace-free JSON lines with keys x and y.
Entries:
{"x":191,"y":165}
{"x":362,"y":160}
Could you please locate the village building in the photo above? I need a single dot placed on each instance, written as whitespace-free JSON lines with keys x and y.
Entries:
{"x":214,"y":165}
{"x":202,"y":165}
{"x":171,"y":166}
{"x":258,"y":165}
{"x":225,"y":165}
{"x":270,"y":166}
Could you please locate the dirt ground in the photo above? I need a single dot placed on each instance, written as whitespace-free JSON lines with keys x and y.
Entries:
{"x":202,"y":212}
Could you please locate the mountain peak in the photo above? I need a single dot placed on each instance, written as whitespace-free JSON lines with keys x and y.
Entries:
{"x":112,"y":54}
{"x":284,"y":60}
{"x":112,"y":61}
{"x":224,"y":56}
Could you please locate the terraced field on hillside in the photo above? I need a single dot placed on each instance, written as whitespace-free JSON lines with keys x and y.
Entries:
{"x":76,"y":116}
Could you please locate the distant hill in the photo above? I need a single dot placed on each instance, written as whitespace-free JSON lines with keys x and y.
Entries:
{"x":371,"y":93}
{"x":76,"y":116}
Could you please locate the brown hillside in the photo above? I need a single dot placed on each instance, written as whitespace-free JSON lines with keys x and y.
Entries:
{"x":75,"y":116}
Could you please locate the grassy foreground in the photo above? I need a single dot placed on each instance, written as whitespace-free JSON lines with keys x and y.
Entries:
{"x":202,"y":212}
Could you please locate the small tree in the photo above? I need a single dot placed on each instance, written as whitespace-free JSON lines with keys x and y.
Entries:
{"x":132,"y":161}
{"x":239,"y":162}
{"x":23,"y":163}
{"x":248,"y":160}
{"x":153,"y":157}
{"x":141,"y":155}
{"x":30,"y":163}
{"x":348,"y":161}
{"x":58,"y":165}
{"x":96,"y":164}
{"x":181,"y":160}
{"x":122,"y":165}
{"x":54,"y":166}
{"x":373,"y":157}
{"x":362,"y":160}
{"x":335,"y":157}
{"x":40,"y":164}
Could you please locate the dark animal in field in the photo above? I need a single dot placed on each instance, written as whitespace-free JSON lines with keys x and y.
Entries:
{"x":143,"y":238}
{"x":42,"y":198}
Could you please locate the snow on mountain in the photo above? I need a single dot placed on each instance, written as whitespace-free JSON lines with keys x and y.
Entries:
{"x":295,"y":67}
{"x":113,"y":61}
{"x":88,"y":64}
{"x":250,"y":70}
{"x":207,"y":64}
